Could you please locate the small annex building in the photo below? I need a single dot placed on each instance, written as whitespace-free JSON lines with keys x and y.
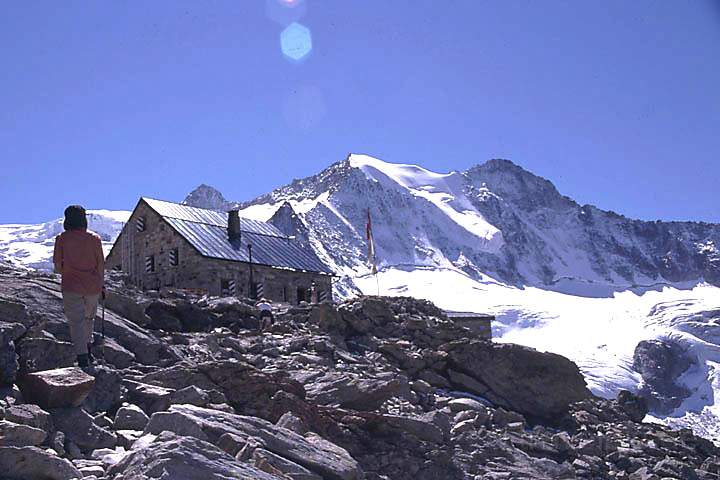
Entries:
{"x":166,"y":244}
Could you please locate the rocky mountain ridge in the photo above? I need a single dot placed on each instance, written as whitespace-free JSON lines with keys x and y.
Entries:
{"x":373,"y":388}
{"x":495,"y":219}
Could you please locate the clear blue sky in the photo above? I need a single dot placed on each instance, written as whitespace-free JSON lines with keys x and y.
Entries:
{"x":616,"y":102}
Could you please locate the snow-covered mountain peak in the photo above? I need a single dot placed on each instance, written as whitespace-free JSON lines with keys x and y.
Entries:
{"x":205,"y":196}
{"x":407,"y":176}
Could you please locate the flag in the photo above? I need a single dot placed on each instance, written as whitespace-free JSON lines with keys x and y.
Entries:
{"x":371,"y":243}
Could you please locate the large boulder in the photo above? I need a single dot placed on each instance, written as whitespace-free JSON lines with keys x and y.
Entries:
{"x":80,"y":427}
{"x":29,"y":414}
{"x":130,"y":417}
{"x":32,"y":463}
{"x":45,"y":353}
{"x":539,"y":385}
{"x":183,"y":458}
{"x":245,"y":386}
{"x":130,"y":307}
{"x":140,"y":342}
{"x":351,"y":391}
{"x":115,"y":354}
{"x":62,"y":387}
{"x":178,"y":315}
{"x":316,"y":454}
{"x":17,"y":435}
{"x":150,"y":398}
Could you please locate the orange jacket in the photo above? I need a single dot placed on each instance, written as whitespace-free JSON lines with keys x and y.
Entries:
{"x":80,"y":260}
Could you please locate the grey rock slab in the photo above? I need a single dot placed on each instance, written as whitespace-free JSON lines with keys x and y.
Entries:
{"x":116,"y":355}
{"x":17,"y":435}
{"x":44,"y":353}
{"x":132,"y":337}
{"x":316,"y":454}
{"x":190,"y":395}
{"x":460,"y":404}
{"x":349,"y":391}
{"x":150,"y":398}
{"x":266,"y":460}
{"x":29,"y":414}
{"x":170,"y":456}
{"x":32,"y":463}
{"x":130,"y":417}
{"x":421,"y":428}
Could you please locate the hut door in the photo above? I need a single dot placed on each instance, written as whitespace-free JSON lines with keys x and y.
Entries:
{"x":302,"y":294}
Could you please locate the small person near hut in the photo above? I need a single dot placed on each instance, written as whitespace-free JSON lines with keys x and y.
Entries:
{"x":266,"y":315}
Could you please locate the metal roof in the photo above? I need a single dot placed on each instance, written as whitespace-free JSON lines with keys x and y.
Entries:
{"x":209,"y":217}
{"x":206,"y":231}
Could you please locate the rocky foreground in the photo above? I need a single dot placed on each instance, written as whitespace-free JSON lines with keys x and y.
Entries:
{"x":369,"y":389}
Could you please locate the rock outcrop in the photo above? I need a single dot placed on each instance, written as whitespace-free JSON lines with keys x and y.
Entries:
{"x":373,"y":388}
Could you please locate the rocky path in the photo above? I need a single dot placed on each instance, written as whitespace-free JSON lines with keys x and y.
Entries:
{"x":369,"y":389}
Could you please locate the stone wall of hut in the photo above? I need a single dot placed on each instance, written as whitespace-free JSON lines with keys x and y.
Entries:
{"x":157,"y":256}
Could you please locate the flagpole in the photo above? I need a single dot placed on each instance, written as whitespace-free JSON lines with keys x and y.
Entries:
{"x":371,"y":250}
{"x":377,"y":282}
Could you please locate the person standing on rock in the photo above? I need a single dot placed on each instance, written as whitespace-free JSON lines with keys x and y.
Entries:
{"x":79,"y":259}
{"x":266,"y":316}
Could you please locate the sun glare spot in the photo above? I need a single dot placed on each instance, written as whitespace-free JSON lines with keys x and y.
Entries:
{"x":296,"y":42}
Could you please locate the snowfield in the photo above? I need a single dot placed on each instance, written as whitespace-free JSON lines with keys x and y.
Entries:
{"x":31,"y":245}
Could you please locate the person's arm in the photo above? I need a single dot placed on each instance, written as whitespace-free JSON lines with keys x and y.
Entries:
{"x":57,"y":255}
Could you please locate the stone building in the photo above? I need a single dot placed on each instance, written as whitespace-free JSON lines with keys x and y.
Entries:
{"x":166,"y":244}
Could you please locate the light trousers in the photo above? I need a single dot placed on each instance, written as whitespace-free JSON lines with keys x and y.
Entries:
{"x":80,"y":311}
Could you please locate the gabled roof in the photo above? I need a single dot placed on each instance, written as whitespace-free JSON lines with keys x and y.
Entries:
{"x":206,"y":231}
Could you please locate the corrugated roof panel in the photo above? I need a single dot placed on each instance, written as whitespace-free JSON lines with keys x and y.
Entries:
{"x":209,"y":217}
{"x":212,"y":241}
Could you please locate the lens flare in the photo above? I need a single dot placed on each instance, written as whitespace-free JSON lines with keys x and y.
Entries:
{"x":296,"y":42}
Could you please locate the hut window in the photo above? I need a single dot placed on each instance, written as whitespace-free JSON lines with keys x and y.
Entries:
{"x":149,"y":264}
{"x":140,"y":224}
{"x":228,"y":288}
{"x":173,"y":257}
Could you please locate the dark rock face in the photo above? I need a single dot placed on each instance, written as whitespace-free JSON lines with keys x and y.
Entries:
{"x":539,"y":385}
{"x":661,"y":363}
{"x":633,"y":405}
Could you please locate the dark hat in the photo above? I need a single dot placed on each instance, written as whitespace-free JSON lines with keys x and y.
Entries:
{"x":75,"y":218}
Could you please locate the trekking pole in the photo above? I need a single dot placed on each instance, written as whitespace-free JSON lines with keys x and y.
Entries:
{"x":102,"y":325}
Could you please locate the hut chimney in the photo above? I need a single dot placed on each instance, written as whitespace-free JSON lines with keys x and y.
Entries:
{"x":233,"y":227}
